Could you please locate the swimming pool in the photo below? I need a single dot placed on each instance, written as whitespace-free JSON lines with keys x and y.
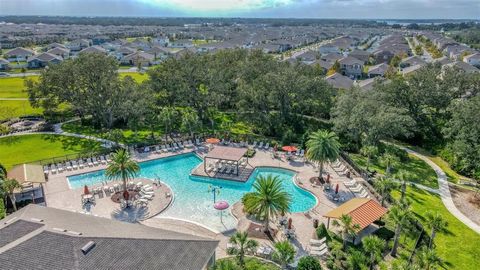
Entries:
{"x":193,"y":201}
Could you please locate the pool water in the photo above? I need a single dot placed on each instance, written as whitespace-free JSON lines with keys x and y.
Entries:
{"x":193,"y":201}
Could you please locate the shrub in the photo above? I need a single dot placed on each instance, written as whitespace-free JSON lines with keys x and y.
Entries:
{"x":400,"y":153}
{"x":384,"y":233}
{"x":309,"y":263}
{"x":245,"y":199}
{"x":250,"y":153}
{"x":2,"y":209}
{"x":322,"y":232}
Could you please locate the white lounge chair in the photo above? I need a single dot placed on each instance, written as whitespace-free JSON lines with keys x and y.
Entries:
{"x":68,"y":166}
{"x":315,"y":242}
{"x":103,"y":160}
{"x":319,"y":253}
{"x":45,"y":169}
{"x":60,"y":168}
{"x":267,"y":146}
{"x":74,"y":165}
{"x":357,"y":189}
{"x":95,"y":161}
{"x":254,"y":144}
{"x":260,"y":145}
{"x":53,"y":169}
{"x":319,"y":248}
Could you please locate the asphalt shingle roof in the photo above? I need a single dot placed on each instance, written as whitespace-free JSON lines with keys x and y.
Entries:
{"x":16,"y":230}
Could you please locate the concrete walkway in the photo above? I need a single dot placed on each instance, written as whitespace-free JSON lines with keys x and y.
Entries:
{"x":444,"y":191}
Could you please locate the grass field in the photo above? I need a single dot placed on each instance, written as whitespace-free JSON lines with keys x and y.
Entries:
{"x":13,"y":87}
{"x":16,"y":108}
{"x":420,"y":171}
{"x":138,"y":77}
{"x":458,"y":247}
{"x":29,"y":148}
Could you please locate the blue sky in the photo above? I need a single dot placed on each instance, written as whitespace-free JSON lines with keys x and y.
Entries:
{"x":395,"y":9}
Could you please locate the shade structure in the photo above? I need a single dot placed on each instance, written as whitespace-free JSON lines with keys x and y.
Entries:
{"x":336,"y":189}
{"x":289,"y":148}
{"x":221,"y":205}
{"x":363,"y":211}
{"x":212,"y":140}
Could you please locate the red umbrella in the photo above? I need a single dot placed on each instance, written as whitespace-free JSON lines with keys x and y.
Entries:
{"x":328,"y":178}
{"x":85,"y":190}
{"x":212,"y":140}
{"x":221,"y":205}
{"x":336,"y":189}
{"x":290,"y":223}
{"x":126,"y":195}
{"x":289,"y":148}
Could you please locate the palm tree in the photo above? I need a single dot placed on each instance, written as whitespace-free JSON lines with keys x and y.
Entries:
{"x":356,"y":260}
{"x":428,"y":259}
{"x":384,"y":186}
{"x":368,"y":151}
{"x":373,"y":246}
{"x":167,"y":118}
{"x":349,"y":229}
{"x":268,"y":199}
{"x":436,"y":223}
{"x":243,"y":245}
{"x":226,"y":265}
{"x":389,"y":160}
{"x":284,"y":253}
{"x":323,"y":146}
{"x":399,"y":215}
{"x":122,"y":166}
{"x":190,"y":121}
{"x":3,"y":172}
{"x":403,"y":176}
{"x":8,"y":187}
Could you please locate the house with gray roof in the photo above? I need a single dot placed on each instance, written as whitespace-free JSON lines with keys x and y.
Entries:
{"x":332,"y":57}
{"x":472,"y":59}
{"x":4,"y":64}
{"x":412,"y":61}
{"x":62,"y":52}
{"x":94,"y":49}
{"x":360,"y":55}
{"x":138,"y":58}
{"x":324,"y":65}
{"x":462,"y":66}
{"x":377,"y":70}
{"x":339,"y":81}
{"x":37,"y":237}
{"x":351,"y":67}
{"x":43,"y":60}
{"x":19,"y":54}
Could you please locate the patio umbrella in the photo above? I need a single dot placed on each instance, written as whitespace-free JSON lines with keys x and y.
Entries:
{"x":289,"y":148}
{"x":328,"y":179}
{"x":85,"y":190}
{"x":336,"y":189}
{"x":221,"y":205}
{"x":212,"y":140}
{"x":289,"y":223}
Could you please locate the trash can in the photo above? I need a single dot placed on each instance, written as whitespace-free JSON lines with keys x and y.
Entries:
{"x":315,"y":223}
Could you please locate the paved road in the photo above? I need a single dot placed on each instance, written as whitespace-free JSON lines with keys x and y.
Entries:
{"x":444,"y":191}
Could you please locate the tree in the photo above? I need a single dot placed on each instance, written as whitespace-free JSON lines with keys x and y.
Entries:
{"x":373,"y":246}
{"x":323,"y":146}
{"x":8,"y":186}
{"x":226,"y":265}
{"x":242,"y":245}
{"x":123,"y":167}
{"x":356,"y":260}
{"x":284,"y":253}
{"x":428,"y":259}
{"x":389,"y":160}
{"x":334,"y":69}
{"x":308,"y":263}
{"x":349,"y":229}
{"x":190,"y":121}
{"x":436,"y":223}
{"x":400,"y":216}
{"x":384,"y":187}
{"x":167,"y":117}
{"x":268,"y":199}
{"x":368,"y":151}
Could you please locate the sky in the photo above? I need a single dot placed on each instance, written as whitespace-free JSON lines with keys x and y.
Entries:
{"x":361,"y":9}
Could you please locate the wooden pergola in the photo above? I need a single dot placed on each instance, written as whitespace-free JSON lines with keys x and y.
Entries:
{"x":232,"y":154}
{"x":364,"y":211}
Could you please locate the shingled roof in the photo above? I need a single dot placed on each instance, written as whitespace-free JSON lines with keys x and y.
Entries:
{"x":47,"y":238}
{"x":363,"y":211}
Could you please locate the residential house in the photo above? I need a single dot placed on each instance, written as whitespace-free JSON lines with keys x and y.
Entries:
{"x":410,"y":69}
{"x":339,"y":81}
{"x":160,"y":52}
{"x":412,"y":61}
{"x":37,"y":237}
{"x":360,"y":55}
{"x":462,"y":66}
{"x":161,"y":41}
{"x":328,"y":48}
{"x":324,"y":65}
{"x":55,"y":45}
{"x":383,"y":56}
{"x":308,"y":56}
{"x":180,"y":43}
{"x":377,"y":70}
{"x":472,"y":59}
{"x":443,"y":60}
{"x":43,"y":60}
{"x":78,"y":44}
{"x":368,"y":84}
{"x":4,"y":64}
{"x":98,"y":40}
{"x":138,"y":58}
{"x":94,"y":49}
{"x":62,"y":52}
{"x":351,"y":67}
{"x":456,"y":51}
{"x":18,"y":54}
{"x":332,"y":57}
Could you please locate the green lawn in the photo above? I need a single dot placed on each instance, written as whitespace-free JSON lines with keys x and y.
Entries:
{"x":13,"y":87}
{"x":420,"y":171}
{"x":138,"y":77}
{"x":459,"y":247}
{"x":16,"y":108}
{"x":29,"y":148}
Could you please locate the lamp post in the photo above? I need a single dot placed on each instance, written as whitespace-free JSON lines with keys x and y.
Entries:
{"x":215,"y":190}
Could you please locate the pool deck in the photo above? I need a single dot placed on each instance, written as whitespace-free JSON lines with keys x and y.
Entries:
{"x":59,"y":195}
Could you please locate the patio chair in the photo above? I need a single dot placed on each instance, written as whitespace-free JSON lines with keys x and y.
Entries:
{"x":319,"y":247}
{"x":302,"y":153}
{"x":69,"y":166}
{"x":89,"y":162}
{"x":260,"y":145}
{"x":53,"y":169}
{"x":103,"y":160}
{"x":267,"y":146}
{"x":315,"y":242}
{"x":197,"y":141}
{"x":45,"y":169}
{"x":357,"y":189}
{"x":146,"y":149}
{"x":254,"y":144}
{"x":106,"y":189}
{"x":350,"y":183}
{"x":60,"y":168}
{"x":146,"y":196}
{"x":319,"y":253}
{"x":95,"y":161}
{"x":364,"y":194}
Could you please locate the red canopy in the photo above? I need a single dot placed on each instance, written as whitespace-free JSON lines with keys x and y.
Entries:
{"x":212,"y":140}
{"x":289,"y":148}
{"x":85,"y":190}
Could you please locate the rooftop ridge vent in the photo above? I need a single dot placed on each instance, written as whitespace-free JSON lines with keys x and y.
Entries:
{"x":59,"y":229}
{"x":74,"y":233}
{"x":10,"y":221}
{"x":87,"y":247}
{"x":36,"y":219}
